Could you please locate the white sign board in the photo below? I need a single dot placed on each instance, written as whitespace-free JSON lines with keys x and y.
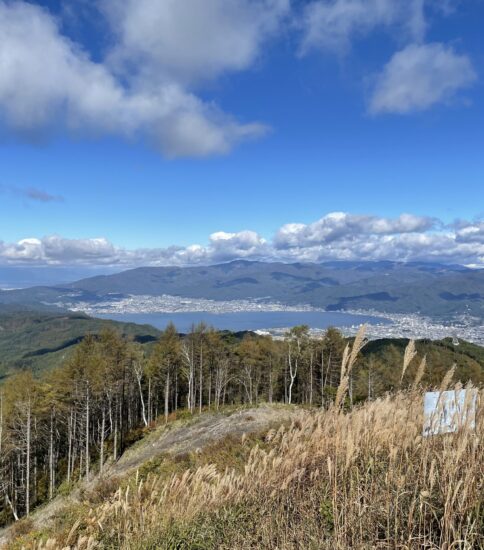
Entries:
{"x":448,"y":411}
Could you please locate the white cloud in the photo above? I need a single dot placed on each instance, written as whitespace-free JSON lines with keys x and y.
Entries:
{"x":470,"y":232}
{"x":190,"y":40}
{"x":343,"y":236}
{"x":245,"y":244}
{"x":339,"y":225}
{"x":402,"y":247}
{"x":56,"y":250}
{"x":420,"y":76}
{"x":333,"y":24}
{"x":145,"y":86}
{"x":46,"y":80}
{"x":336,"y":236}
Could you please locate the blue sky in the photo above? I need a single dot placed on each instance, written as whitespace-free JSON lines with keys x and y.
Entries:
{"x":251,"y":121}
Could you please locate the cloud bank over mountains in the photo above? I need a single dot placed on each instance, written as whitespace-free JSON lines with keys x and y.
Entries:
{"x":147,"y":84}
{"x":336,"y":236}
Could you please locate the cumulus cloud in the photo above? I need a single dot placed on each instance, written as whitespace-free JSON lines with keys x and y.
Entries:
{"x":245,"y":244}
{"x":146,"y":85}
{"x":340,"y":225}
{"x":420,"y":76}
{"x":46,"y":79}
{"x":332,"y":25}
{"x":470,"y":232}
{"x":336,"y":236}
{"x":189,"y":41}
{"x":424,"y":247}
{"x":343,"y":236}
{"x":56,"y":250}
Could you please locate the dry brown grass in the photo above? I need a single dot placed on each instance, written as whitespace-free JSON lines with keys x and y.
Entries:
{"x":365,"y":479}
{"x":332,"y":479}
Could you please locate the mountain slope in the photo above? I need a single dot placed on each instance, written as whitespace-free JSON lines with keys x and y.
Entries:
{"x":166,"y":443}
{"x":258,"y":279}
{"x":41,"y":340}
{"x":432,"y":289}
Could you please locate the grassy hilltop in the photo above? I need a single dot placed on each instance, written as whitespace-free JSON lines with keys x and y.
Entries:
{"x":333,"y":478}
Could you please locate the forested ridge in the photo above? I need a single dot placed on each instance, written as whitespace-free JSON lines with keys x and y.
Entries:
{"x":64,"y":425}
{"x":39,"y":340}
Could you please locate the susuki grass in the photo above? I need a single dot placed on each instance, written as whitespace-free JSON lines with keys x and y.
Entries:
{"x":339,"y":479}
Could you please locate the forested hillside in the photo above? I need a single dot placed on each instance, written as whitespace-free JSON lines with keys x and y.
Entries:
{"x":40,"y":340}
{"x":335,"y":456}
{"x":64,"y":425}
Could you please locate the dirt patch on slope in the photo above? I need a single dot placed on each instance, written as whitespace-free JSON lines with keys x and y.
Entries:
{"x":206,"y":429}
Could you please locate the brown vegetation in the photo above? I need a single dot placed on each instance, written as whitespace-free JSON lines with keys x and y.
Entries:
{"x":335,"y":478}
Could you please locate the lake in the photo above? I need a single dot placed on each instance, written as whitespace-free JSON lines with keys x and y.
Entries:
{"x":247,"y":320}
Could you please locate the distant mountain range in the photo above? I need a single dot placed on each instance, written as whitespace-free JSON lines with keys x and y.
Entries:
{"x":394,"y":287}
